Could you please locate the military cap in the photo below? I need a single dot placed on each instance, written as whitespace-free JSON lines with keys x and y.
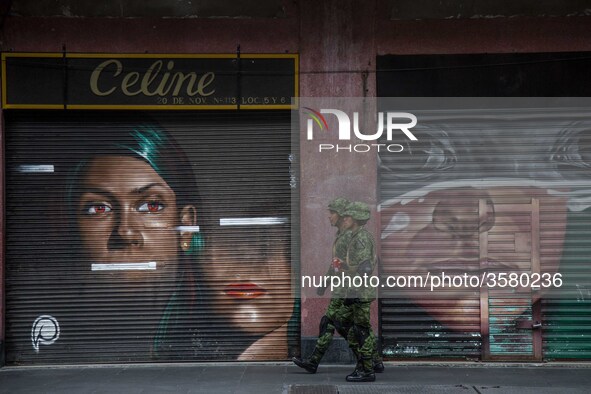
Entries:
{"x":338,"y":205}
{"x":357,"y":210}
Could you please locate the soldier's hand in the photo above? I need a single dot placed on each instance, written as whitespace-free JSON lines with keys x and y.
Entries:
{"x":365,"y":268}
{"x":351,"y":301}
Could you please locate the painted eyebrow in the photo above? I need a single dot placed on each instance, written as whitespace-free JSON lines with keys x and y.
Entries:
{"x":143,"y":189}
{"x":110,"y":195}
{"x":95,"y":190}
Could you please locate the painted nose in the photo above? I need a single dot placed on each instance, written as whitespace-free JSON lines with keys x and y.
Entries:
{"x":126,"y":233}
{"x":463,"y":218}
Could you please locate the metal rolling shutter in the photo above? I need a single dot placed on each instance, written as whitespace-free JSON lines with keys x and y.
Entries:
{"x":539,"y":227}
{"x":567,"y":321}
{"x":89,"y":279}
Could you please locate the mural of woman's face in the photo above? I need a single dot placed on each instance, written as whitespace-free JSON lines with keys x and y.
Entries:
{"x":250,"y":282}
{"x":441,"y":232}
{"x":127,"y":218}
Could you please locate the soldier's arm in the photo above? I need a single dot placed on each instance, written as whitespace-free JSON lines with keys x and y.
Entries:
{"x":361,"y":254}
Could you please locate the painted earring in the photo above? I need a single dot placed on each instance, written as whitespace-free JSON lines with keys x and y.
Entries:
{"x":194,"y":246}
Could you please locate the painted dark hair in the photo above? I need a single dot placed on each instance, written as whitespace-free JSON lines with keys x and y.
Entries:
{"x":147,"y":142}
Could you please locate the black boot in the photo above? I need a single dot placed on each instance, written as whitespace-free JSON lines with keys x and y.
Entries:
{"x":378,"y":366}
{"x":308,"y":364}
{"x":360,"y":375}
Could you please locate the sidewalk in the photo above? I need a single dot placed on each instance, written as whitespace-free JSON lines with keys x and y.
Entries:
{"x":263,"y":378}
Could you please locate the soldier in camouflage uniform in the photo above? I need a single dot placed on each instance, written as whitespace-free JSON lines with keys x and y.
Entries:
{"x":338,"y":316}
{"x":360,"y":260}
{"x":333,"y":318}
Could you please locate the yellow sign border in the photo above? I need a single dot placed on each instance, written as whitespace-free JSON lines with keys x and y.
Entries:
{"x":164,"y":107}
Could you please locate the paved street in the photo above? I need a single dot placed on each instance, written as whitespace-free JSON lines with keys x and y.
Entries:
{"x":260,"y":378}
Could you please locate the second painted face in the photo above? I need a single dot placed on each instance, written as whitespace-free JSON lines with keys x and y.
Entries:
{"x":250,"y":281}
{"x":465,"y":232}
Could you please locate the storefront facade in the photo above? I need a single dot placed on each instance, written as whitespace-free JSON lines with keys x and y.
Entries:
{"x":259,"y":218}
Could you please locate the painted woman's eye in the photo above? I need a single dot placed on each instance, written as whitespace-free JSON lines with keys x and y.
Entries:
{"x":97,"y":209}
{"x":432,"y":154}
{"x":572,"y":150}
{"x":151,"y":206}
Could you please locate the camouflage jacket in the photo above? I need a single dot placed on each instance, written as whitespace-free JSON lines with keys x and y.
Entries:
{"x":361,"y":258}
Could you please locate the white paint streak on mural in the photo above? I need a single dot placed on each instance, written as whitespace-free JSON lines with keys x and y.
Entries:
{"x":36,"y":168}
{"x":151,"y":265}
{"x":190,"y":229}
{"x":262,"y":221}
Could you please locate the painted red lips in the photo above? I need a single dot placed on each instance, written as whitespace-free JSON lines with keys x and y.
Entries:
{"x":244,"y":291}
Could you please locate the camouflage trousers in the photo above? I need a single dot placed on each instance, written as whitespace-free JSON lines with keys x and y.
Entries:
{"x":340,"y":318}
{"x":361,"y":338}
